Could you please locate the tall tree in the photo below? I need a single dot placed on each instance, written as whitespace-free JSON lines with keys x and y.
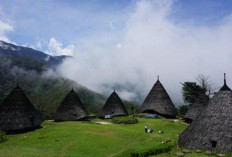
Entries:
{"x":205,"y":82}
{"x":191,"y":90}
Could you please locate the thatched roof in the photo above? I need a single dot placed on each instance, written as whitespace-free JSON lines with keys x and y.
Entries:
{"x":17,"y":114}
{"x":114,"y":106}
{"x":71,"y":108}
{"x":194,"y":110}
{"x":159,"y":102}
{"x":212,"y":129}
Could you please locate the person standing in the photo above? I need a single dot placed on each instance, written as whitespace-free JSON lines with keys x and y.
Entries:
{"x":145,"y":128}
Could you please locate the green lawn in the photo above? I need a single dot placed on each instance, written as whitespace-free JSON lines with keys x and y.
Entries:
{"x":81,"y":139}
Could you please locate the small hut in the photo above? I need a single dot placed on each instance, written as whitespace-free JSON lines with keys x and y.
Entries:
{"x":212,"y":128}
{"x":198,"y":106}
{"x":71,"y":109}
{"x":159,"y":102}
{"x":17,"y":114}
{"x":114,"y":106}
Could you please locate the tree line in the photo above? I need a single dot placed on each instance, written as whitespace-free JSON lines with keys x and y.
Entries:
{"x":191,"y":90}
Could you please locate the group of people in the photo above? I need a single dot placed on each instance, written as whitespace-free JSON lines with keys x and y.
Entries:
{"x":150,"y":130}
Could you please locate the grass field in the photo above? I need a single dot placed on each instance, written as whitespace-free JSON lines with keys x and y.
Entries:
{"x":82,"y":139}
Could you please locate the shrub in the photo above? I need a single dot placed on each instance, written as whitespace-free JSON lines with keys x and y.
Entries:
{"x":125,"y":120}
{"x":182,"y":110}
{"x":147,"y":152}
{"x":151,"y":152}
{"x":140,"y":115}
{"x":2,"y":136}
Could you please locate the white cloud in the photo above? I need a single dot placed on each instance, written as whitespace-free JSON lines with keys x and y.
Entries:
{"x":47,"y":58}
{"x":55,"y":48}
{"x":154,"y":45}
{"x":118,"y":46}
{"x":4,"y":28}
{"x":39,"y":44}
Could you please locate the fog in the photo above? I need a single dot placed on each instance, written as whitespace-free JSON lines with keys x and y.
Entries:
{"x":150,"y":44}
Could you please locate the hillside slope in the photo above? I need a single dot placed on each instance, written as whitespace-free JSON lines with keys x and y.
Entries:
{"x":20,"y":51}
{"x":46,"y":92}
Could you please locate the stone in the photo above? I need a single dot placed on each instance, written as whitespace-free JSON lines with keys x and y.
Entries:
{"x":208,"y":152}
{"x":221,"y":155}
{"x":180,"y":154}
{"x":198,"y":151}
{"x":168,"y":140}
{"x":186,"y":151}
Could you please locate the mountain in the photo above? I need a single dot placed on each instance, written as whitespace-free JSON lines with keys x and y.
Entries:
{"x":19,"y":51}
{"x":19,"y":65}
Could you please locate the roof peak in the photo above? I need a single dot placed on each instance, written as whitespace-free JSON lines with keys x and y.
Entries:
{"x":17,"y":86}
{"x":158,"y":79}
{"x":224,"y":78}
{"x":225,"y":87}
{"x":114,"y":92}
{"x":72,"y":91}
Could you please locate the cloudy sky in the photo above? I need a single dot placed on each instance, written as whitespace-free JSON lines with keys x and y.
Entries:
{"x":127,"y":43}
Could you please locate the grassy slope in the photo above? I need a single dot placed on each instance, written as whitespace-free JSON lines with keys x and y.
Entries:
{"x":89,"y":139}
{"x":81,"y":139}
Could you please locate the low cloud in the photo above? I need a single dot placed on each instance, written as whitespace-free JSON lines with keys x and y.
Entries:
{"x":4,"y":28}
{"x":152,"y":44}
{"x":55,"y":48}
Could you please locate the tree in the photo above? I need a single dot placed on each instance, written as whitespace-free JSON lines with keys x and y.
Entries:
{"x":132,"y":109}
{"x":191,"y":90}
{"x":205,"y":82}
{"x":182,"y":110}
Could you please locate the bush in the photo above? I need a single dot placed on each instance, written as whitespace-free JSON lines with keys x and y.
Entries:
{"x":140,"y":115}
{"x":147,"y":152}
{"x":151,"y":152}
{"x":2,"y":136}
{"x":125,"y":120}
{"x":182,"y":110}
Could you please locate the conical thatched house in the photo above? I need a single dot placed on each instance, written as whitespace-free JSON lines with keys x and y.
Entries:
{"x":17,"y":114}
{"x":212,"y":129}
{"x":194,"y":110}
{"x":159,"y":102}
{"x":71,"y":109}
{"x":114,"y":106}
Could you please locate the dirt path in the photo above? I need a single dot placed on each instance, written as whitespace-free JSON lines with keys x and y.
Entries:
{"x":103,"y":123}
{"x":65,"y":148}
{"x":184,"y":123}
{"x":124,"y":149}
{"x":127,"y":147}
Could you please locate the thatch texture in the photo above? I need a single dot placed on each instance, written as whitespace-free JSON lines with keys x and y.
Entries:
{"x":212,"y":128}
{"x":71,"y":109}
{"x":17,"y":114}
{"x":198,"y":106}
{"x":114,"y":106}
{"x":159,"y":102}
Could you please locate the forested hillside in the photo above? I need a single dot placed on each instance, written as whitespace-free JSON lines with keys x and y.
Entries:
{"x":44,"y":91}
